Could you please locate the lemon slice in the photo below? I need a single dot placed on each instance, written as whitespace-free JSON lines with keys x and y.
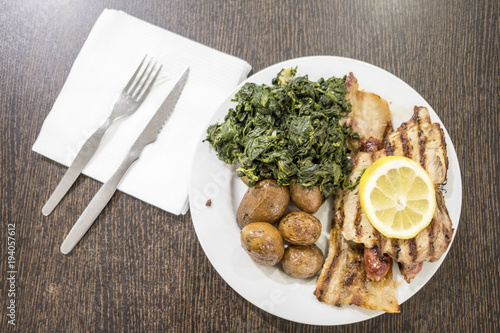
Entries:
{"x":397,"y":196}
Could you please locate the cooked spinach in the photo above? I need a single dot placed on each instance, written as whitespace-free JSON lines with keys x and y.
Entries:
{"x":290,"y":131}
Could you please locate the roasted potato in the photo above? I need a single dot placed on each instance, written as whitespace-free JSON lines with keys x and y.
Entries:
{"x":263,"y":243}
{"x":302,"y":261}
{"x":264,"y":202}
{"x":300,"y":228}
{"x":307,"y":199}
{"x":245,"y":180}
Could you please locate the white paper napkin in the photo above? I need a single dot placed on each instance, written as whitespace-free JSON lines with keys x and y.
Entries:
{"x":115,"y":47}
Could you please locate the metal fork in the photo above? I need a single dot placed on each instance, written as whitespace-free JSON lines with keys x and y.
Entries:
{"x":126,"y":103}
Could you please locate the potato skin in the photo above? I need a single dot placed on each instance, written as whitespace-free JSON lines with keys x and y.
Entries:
{"x":300,"y":228}
{"x":264,"y":202}
{"x":245,"y":180}
{"x":302,"y":261}
{"x":263,"y":243}
{"x":307,"y":199}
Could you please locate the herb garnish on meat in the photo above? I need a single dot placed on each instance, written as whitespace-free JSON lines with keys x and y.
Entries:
{"x":291,"y":131}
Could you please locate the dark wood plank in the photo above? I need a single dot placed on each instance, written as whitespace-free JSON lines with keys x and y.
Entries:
{"x":142,"y":269}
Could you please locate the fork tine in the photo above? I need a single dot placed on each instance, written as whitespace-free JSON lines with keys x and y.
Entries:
{"x":147,"y":87}
{"x":140,"y":80}
{"x":135,"y":74}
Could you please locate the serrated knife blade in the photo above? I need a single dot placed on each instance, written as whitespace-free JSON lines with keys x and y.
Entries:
{"x":102,"y":197}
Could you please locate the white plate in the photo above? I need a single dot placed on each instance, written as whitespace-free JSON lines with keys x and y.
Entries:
{"x":268,"y":287}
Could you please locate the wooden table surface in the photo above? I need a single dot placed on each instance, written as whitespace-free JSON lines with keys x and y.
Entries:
{"x":449,"y":51}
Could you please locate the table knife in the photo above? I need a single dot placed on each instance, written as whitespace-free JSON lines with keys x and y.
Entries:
{"x":102,"y":197}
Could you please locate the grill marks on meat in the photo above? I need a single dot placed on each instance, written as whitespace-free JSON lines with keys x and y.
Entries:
{"x":343,"y":279}
{"x":370,"y":117}
{"x":358,"y":269}
{"x":423,"y":142}
{"x":346,"y":202}
{"x":429,"y":244}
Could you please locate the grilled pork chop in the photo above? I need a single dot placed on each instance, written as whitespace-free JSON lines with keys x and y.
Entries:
{"x":423,"y":142}
{"x":343,"y":278}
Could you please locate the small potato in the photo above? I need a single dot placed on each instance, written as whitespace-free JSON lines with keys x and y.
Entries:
{"x":263,"y":243}
{"x":302,"y":261}
{"x":245,"y":180}
{"x":264,"y":202}
{"x":300,"y":228}
{"x":307,"y":199}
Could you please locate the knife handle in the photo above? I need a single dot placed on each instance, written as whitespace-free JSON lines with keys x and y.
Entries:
{"x":84,"y":155}
{"x":96,"y":206}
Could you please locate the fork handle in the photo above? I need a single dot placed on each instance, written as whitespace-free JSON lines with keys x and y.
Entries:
{"x":96,"y":206}
{"x":84,"y":155}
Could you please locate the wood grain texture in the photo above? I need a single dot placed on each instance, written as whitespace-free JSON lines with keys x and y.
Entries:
{"x":141,"y":269}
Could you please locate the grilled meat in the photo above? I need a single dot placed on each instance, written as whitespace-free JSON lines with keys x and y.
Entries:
{"x":423,"y":142}
{"x":410,"y":272}
{"x":377,"y":264}
{"x":370,"y":117}
{"x":343,"y":278}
